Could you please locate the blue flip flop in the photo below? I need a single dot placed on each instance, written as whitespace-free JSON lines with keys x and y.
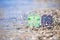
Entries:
{"x":43,"y":20}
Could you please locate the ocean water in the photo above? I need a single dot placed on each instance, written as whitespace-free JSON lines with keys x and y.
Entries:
{"x":14,"y":13}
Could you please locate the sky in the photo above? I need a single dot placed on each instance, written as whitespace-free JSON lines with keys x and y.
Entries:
{"x":17,"y":7}
{"x":14,"y":7}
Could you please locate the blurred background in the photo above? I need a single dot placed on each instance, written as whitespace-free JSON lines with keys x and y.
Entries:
{"x":14,"y":14}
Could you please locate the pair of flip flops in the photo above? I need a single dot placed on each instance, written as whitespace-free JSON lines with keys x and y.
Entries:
{"x":47,"y":20}
{"x":34,"y":20}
